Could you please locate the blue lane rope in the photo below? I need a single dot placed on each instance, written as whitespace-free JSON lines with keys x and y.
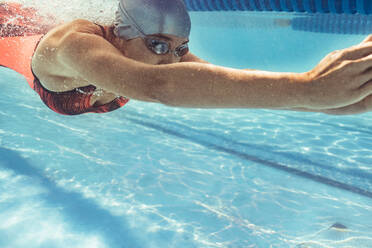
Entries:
{"x":331,"y":23}
{"x":323,"y":16}
{"x":363,"y":7}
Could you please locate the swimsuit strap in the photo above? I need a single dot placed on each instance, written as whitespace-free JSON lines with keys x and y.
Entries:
{"x":102,"y":28}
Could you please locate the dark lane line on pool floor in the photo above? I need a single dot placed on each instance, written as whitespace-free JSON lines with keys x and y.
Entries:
{"x":83,"y":214}
{"x":248,"y":157}
{"x":267,"y":149}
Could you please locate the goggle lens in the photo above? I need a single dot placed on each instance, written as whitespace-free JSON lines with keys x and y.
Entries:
{"x":182,"y":50}
{"x":161,"y":47}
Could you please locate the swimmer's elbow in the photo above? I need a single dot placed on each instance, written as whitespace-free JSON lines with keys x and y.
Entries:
{"x":139,"y":82}
{"x":160,"y":85}
{"x":175,"y":84}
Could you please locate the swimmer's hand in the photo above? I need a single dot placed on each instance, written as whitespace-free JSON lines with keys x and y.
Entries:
{"x":360,"y":107}
{"x":342,"y":82}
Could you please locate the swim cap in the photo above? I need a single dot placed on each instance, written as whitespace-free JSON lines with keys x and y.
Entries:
{"x":139,"y":18}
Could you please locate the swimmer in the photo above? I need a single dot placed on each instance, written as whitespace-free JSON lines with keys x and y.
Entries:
{"x":81,"y":67}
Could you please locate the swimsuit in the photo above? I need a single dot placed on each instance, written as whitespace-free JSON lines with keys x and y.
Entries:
{"x":16,"y":53}
{"x":75,"y":102}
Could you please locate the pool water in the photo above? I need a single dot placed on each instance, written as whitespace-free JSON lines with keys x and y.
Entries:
{"x":149,"y":175}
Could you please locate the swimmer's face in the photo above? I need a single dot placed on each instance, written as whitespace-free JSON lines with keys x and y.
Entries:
{"x":140,"y":49}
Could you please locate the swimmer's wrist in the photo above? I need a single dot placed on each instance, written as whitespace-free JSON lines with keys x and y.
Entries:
{"x":299,"y":83}
{"x":290,"y":91}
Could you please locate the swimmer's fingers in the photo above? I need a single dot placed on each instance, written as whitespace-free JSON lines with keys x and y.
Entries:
{"x":337,"y":83}
{"x":348,"y":56}
{"x":354,"y":52}
{"x":366,"y":89}
{"x":363,"y":69}
{"x":360,"y":107}
{"x":368,"y":39}
{"x":362,"y":80}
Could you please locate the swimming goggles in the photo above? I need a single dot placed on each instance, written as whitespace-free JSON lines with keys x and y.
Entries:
{"x":160,"y":47}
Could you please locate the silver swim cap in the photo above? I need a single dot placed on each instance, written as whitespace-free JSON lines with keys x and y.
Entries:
{"x":139,"y":18}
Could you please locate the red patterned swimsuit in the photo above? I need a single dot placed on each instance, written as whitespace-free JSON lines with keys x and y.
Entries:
{"x":75,"y":102}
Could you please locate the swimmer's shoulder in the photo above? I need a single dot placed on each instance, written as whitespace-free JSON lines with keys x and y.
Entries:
{"x":55,"y":35}
{"x":45,"y":63}
{"x":83,"y":26}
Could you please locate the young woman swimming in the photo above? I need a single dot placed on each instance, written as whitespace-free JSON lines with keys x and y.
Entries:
{"x":81,"y":67}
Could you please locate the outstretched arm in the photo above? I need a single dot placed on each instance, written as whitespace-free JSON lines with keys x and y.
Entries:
{"x":340,"y":79}
{"x":365,"y":105}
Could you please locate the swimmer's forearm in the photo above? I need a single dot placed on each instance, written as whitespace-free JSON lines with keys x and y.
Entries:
{"x":209,"y":86}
